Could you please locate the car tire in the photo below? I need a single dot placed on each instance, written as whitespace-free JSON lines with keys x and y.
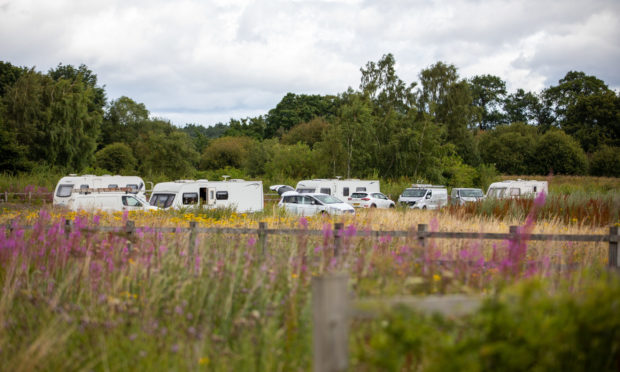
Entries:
{"x":373,"y":206}
{"x":324,"y":213}
{"x":424,"y":207}
{"x":392,"y":206}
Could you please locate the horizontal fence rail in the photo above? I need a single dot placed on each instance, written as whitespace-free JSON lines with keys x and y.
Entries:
{"x":421,"y":234}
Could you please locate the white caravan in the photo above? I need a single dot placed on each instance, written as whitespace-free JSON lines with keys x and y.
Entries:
{"x":424,"y":196}
{"x":243,"y":196}
{"x":108,"y":202}
{"x":336,"y":187}
{"x":517,"y":189}
{"x":73,"y":185}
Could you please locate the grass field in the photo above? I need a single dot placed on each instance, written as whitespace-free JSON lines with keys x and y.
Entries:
{"x":96,"y":301}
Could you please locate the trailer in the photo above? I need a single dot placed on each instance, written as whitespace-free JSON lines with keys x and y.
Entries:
{"x":337,"y":187}
{"x":71,"y":185}
{"x":512,"y":189}
{"x":241,"y":195}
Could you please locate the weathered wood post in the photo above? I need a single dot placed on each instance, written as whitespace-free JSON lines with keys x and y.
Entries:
{"x":6,"y":197}
{"x":338,"y":227}
{"x":192,"y":238}
{"x":29,"y":197}
{"x":130,"y":229}
{"x":68,"y":228}
{"x":262,"y":237}
{"x":422,"y":229}
{"x":330,"y":314}
{"x":614,"y":256}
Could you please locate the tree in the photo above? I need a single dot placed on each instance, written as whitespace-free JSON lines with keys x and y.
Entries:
{"x":226,"y":152}
{"x":9,"y":74}
{"x":488,"y":94}
{"x":559,"y":153}
{"x":249,"y":127}
{"x":12,"y":155}
{"x":511,"y":148}
{"x":122,"y":120}
{"x":308,"y":133}
{"x":355,"y":129}
{"x":521,"y":107}
{"x":604,"y":162}
{"x":117,"y":158}
{"x":594,"y":120}
{"x":292,"y":161}
{"x":87,"y":77}
{"x":294,"y":109}
{"x":52,"y":119}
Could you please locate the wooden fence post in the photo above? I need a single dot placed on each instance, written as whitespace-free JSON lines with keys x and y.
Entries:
{"x":6,"y":197}
{"x":130,"y":229}
{"x":330,"y":314}
{"x":262,"y":237}
{"x":192,"y":237}
{"x":338,"y":227}
{"x":422,"y":229}
{"x":614,"y":259}
{"x":68,"y":228}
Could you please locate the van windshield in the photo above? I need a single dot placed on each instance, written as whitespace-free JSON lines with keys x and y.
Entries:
{"x":414,"y":193}
{"x":471,"y":193}
{"x":327,"y":199}
{"x":162,"y":200}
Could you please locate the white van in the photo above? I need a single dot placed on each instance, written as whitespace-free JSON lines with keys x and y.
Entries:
{"x":243,"y":196}
{"x":464,"y":195}
{"x":336,"y":187}
{"x":108,"y":202}
{"x":517,"y":189}
{"x":86,"y":184}
{"x":424,"y":196}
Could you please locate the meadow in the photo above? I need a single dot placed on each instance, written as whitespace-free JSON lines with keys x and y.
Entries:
{"x":97,"y":301}
{"x":92,"y":300}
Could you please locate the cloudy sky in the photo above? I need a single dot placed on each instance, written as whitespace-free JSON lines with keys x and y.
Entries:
{"x":203,"y":62}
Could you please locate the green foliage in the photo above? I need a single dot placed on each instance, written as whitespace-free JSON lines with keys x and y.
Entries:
{"x":594,"y":120}
{"x":295,"y":161}
{"x":168,"y":152}
{"x":456,"y":173}
{"x":488,"y":94}
{"x":201,"y":135}
{"x":511,"y":148}
{"x":249,"y":127}
{"x":524,"y":328}
{"x":558,"y":153}
{"x":605,"y":162}
{"x":308,"y":133}
{"x":12,"y":155}
{"x":226,"y":152}
{"x":56,"y":120}
{"x":122,"y":121}
{"x":487,"y":174}
{"x":117,"y":158}
{"x":295,"y":109}
{"x":9,"y":74}
{"x":522,"y":107}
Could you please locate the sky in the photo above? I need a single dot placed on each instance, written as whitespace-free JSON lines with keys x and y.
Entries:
{"x":204,"y":62}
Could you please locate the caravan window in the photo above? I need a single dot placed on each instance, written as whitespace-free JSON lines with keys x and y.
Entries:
{"x":162,"y":200}
{"x":360,"y":189}
{"x":112,"y":186}
{"x":190,"y":198}
{"x":130,"y":201}
{"x":84,"y":189}
{"x":134,"y":188}
{"x":515,"y":191}
{"x":306,"y":191}
{"x":345,"y":191}
{"x":496,"y":192}
{"x":326,"y":190}
{"x":221,"y":195}
{"x":64,"y":191}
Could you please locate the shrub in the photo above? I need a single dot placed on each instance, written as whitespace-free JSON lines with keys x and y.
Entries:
{"x":116,"y":158}
{"x":559,"y":153}
{"x":605,"y":162}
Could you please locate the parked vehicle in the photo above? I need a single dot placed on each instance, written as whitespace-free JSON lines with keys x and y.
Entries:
{"x":370,"y":200}
{"x":243,"y":196}
{"x":461,"y":196}
{"x":336,"y":187}
{"x":517,"y":189}
{"x":72,"y":185}
{"x":308,"y":204}
{"x":421,"y":196}
{"x":281,"y":189}
{"x":108,"y":202}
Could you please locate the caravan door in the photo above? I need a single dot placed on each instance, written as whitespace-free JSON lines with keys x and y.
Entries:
{"x":210,"y":196}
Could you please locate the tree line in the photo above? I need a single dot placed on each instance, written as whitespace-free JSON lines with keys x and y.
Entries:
{"x":441,"y":129}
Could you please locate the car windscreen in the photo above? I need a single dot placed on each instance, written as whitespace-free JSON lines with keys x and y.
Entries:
{"x":359,"y":195}
{"x":162,"y":200}
{"x":327,"y":199}
{"x":476,"y":193}
{"x":414,"y":193}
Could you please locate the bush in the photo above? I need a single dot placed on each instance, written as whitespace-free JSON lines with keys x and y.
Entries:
{"x":605,"y":162}
{"x":559,"y":153}
{"x":116,"y":158}
{"x":511,"y":148}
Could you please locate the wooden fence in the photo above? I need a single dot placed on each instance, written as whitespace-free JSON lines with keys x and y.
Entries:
{"x":332,"y":306}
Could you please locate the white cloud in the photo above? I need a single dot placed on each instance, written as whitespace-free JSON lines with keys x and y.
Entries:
{"x":209,"y":61}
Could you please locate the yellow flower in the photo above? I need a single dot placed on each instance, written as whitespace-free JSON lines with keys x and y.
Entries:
{"x":436,"y":277}
{"x":294,"y":275}
{"x":203,"y":361}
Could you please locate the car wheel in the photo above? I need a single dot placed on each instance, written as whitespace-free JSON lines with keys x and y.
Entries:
{"x":373,"y":206}
{"x":323,"y":213}
{"x":392,"y":206}
{"x":424,"y":207}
